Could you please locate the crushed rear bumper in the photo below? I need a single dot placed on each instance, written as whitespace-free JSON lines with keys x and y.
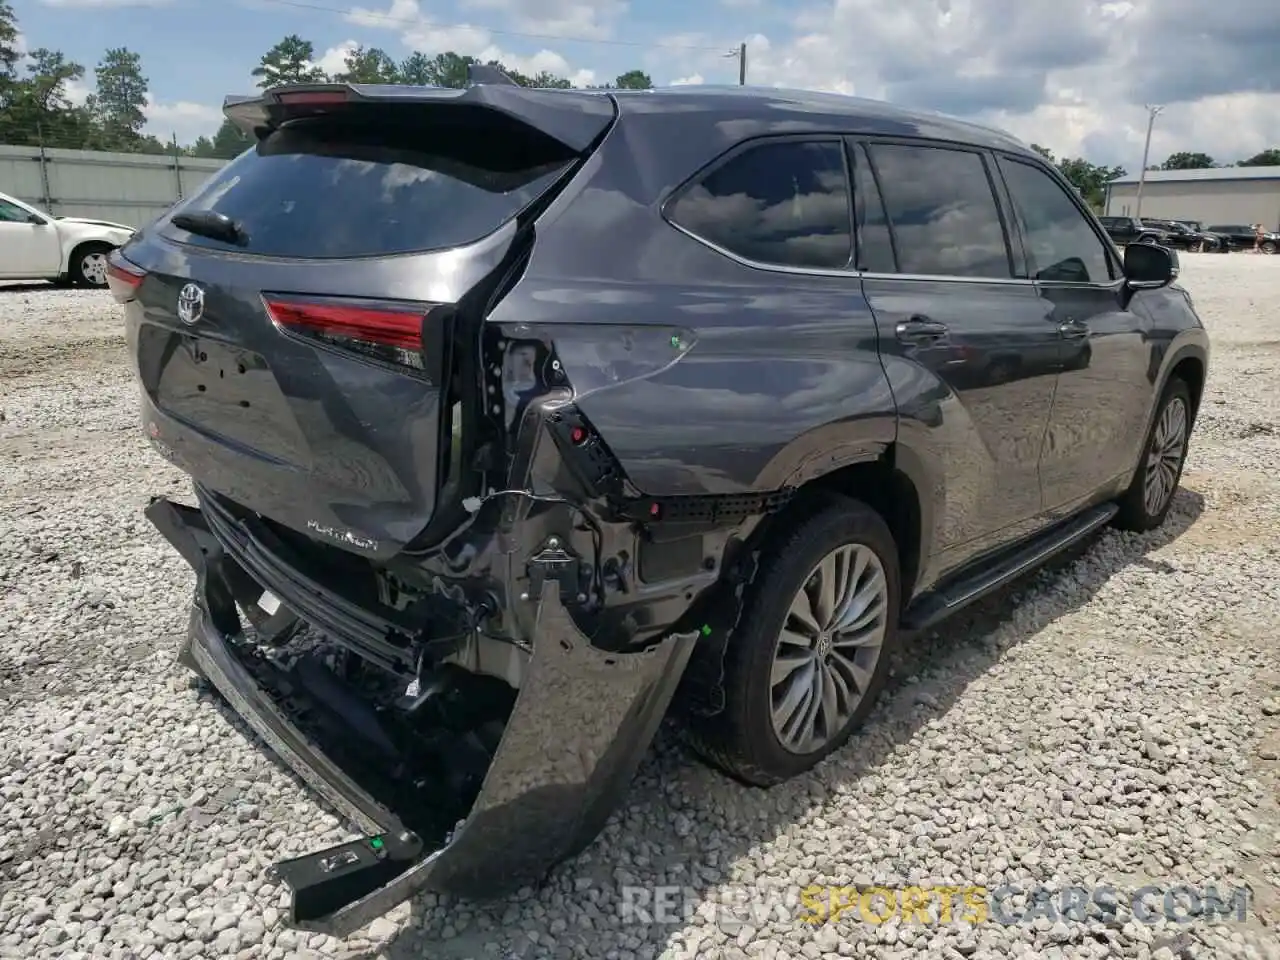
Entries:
{"x":580,"y":725}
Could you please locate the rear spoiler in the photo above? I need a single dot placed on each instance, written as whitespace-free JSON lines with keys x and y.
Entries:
{"x":575,"y":118}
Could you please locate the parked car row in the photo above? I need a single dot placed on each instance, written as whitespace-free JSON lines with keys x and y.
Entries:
{"x":1191,"y":235}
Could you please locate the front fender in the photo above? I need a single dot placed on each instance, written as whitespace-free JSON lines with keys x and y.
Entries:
{"x":1187,"y":344}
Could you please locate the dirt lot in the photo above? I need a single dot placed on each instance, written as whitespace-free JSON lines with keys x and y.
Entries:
{"x":1113,"y":720}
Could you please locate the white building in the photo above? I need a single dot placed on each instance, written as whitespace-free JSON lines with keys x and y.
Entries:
{"x":1221,"y":195}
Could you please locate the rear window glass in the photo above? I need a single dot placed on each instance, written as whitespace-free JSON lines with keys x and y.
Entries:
{"x":394,"y":180}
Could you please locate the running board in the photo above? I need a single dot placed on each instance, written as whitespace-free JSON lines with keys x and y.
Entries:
{"x":933,"y":607}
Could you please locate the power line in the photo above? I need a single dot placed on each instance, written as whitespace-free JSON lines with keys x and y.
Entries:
{"x":563,"y":38}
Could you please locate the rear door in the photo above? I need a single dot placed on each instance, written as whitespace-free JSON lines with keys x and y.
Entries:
{"x":299,"y":361}
{"x":963,"y":336}
{"x":1104,"y":390}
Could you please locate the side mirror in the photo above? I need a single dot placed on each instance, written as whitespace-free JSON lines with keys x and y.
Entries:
{"x":1149,"y":266}
{"x":38,"y":220}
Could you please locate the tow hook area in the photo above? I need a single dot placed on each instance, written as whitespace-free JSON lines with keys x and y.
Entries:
{"x":328,"y":880}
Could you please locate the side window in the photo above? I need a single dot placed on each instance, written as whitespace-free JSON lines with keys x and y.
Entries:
{"x":942,"y":211}
{"x":11,"y":213}
{"x":875,"y":244}
{"x":784,"y":203}
{"x":1061,"y":245}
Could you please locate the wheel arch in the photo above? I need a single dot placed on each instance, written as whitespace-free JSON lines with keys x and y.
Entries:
{"x":897,"y":483}
{"x":1189,"y":366}
{"x":78,"y":246}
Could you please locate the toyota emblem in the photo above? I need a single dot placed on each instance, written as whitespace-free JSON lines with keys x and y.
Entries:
{"x":190,"y":303}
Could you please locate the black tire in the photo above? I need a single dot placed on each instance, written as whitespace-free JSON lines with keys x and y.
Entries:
{"x":1134,"y":512}
{"x":82,"y":269}
{"x":1268,"y":246}
{"x":741,"y":740}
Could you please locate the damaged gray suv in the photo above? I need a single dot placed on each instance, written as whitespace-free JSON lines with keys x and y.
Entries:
{"x":521,"y":419}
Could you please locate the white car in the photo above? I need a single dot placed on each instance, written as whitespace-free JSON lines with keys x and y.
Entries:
{"x":37,"y":246}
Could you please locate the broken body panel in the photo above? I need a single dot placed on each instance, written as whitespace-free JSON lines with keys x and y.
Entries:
{"x":440,"y":516}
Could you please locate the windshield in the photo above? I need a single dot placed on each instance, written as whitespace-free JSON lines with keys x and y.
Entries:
{"x":13,"y":210}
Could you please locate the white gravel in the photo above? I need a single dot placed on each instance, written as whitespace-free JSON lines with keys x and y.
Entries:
{"x":1109,"y":722}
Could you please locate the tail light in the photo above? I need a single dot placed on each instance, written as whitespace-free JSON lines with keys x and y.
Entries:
{"x":123,"y":277}
{"x":383,"y":331}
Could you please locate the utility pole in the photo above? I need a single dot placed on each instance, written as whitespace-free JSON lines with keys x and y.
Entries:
{"x":1152,"y":112}
{"x":741,"y":54}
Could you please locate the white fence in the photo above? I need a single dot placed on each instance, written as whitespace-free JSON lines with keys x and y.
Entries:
{"x":127,"y":188}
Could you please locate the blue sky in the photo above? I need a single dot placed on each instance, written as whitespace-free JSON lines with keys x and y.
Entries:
{"x":1073,"y":76}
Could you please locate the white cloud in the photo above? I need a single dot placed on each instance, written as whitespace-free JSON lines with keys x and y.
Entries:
{"x":184,"y":118}
{"x":594,"y":19}
{"x":334,"y":60}
{"x":690,"y":81}
{"x":401,"y":13}
{"x":417,"y":32}
{"x":1071,"y":76}
{"x":105,"y":3}
{"x":78,"y":92}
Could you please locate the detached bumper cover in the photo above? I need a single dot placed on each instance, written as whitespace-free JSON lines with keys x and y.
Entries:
{"x":579,"y":728}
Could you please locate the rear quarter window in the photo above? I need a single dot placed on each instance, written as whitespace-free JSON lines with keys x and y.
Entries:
{"x":782,"y":203}
{"x":378,"y":185}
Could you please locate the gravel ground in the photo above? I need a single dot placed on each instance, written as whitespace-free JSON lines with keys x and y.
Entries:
{"x":1110,"y":721}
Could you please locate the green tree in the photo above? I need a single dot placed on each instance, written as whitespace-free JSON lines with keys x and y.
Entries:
{"x":369,"y":65}
{"x":289,"y":61}
{"x":1089,"y":178}
{"x":417,"y":69}
{"x":9,"y":55}
{"x":541,"y":79}
{"x":1267,"y":158}
{"x":37,"y":107}
{"x":230,"y":141}
{"x":1187,"y":161}
{"x":118,"y":105}
{"x":446,"y":69}
{"x":634,"y":80}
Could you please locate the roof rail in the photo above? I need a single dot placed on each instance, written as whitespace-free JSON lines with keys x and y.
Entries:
{"x":481,"y":73}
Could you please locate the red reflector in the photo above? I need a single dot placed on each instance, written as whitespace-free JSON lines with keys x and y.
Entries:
{"x":123,"y":278}
{"x":392,"y":328}
{"x":313,"y":99}
{"x":129,"y":276}
{"x":578,"y":436}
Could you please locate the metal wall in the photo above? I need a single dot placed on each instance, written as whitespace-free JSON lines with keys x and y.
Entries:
{"x":125,"y":188}
{"x":1224,"y":202}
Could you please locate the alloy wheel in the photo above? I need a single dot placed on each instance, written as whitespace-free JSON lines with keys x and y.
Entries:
{"x":93,"y":267}
{"x":828,"y":648}
{"x":1164,"y":458}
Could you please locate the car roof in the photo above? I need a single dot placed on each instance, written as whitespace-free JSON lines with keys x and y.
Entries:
{"x":788,"y":110}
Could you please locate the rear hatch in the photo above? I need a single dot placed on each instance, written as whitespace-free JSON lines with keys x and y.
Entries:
{"x":299,"y":324}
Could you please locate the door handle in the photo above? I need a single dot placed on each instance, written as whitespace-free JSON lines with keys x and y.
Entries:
{"x":1072,"y":329}
{"x":920,"y":330}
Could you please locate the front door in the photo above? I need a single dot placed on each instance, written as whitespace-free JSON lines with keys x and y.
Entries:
{"x":969,"y":352}
{"x":1104,"y":389}
{"x":27,"y":250}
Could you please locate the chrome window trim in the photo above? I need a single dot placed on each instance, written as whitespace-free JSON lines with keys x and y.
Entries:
{"x":837,"y":272}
